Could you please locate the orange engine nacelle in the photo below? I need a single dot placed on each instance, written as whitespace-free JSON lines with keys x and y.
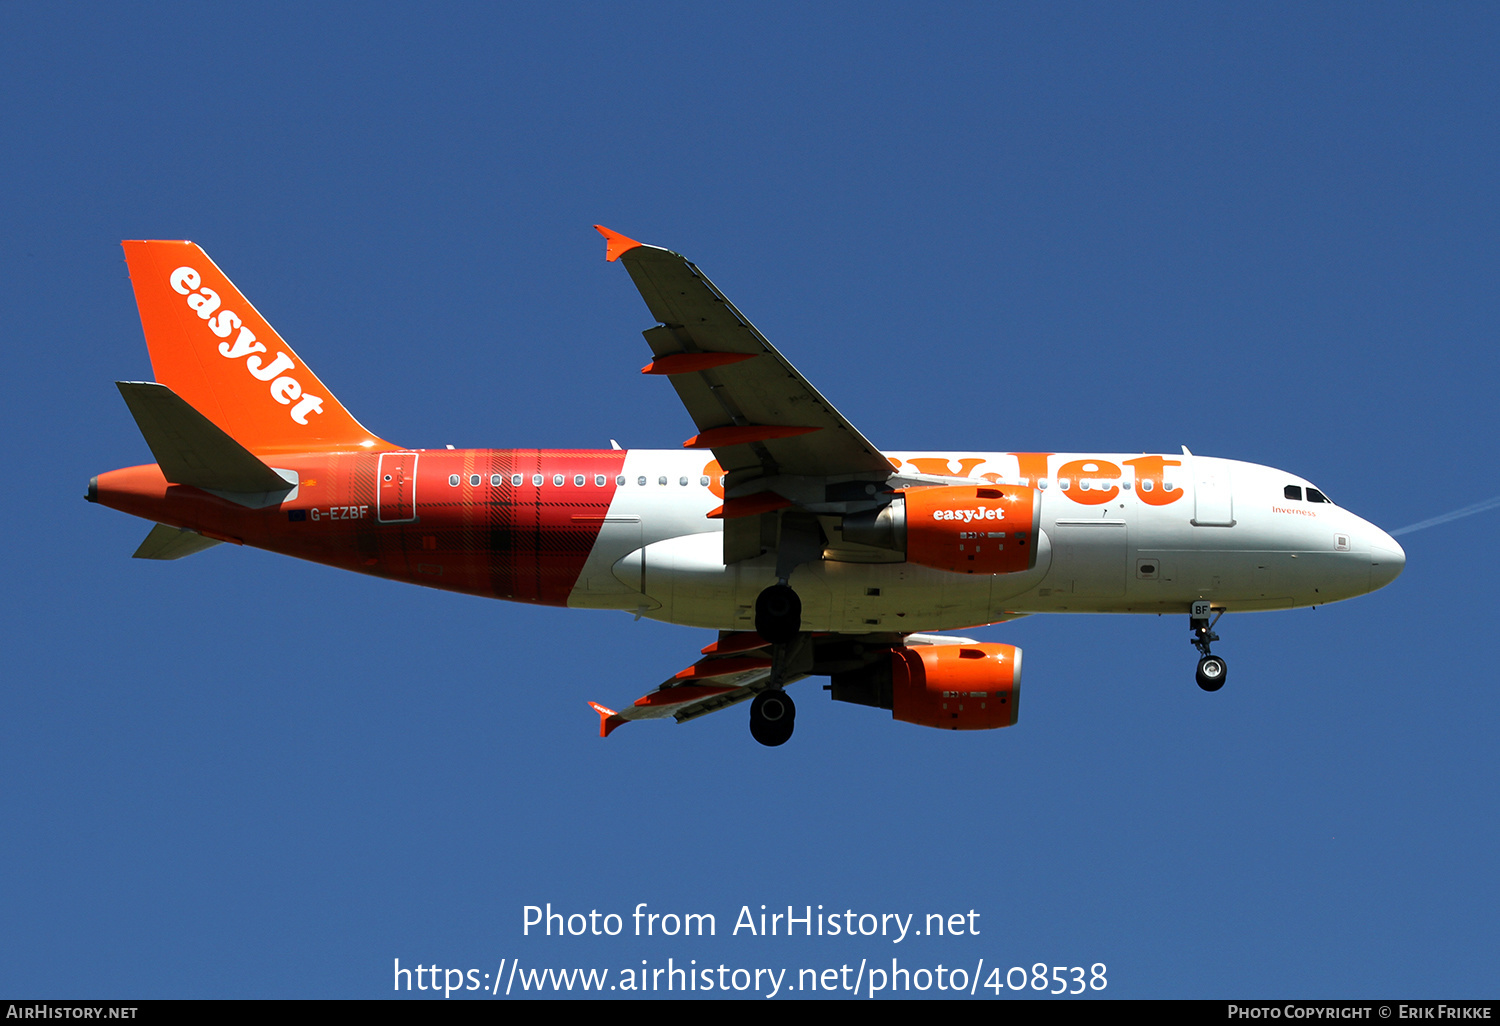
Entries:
{"x":955,"y":687}
{"x":970,"y":529}
{"x":984,"y":530}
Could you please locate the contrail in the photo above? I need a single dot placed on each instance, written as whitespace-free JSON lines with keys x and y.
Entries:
{"x":1467,"y":511}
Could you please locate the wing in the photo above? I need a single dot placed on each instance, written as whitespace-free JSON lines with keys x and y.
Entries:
{"x":738,"y":666}
{"x":752,"y":407}
{"x":765,"y":423}
{"x":734,"y":668}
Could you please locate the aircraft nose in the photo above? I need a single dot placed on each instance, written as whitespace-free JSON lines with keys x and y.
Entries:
{"x":1387,"y":559}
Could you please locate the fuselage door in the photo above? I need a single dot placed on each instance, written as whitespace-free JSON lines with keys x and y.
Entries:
{"x":396,"y":486}
{"x":1213,"y":493}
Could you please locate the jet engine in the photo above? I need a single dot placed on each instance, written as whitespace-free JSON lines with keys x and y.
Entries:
{"x":954,"y":687}
{"x":984,"y":529}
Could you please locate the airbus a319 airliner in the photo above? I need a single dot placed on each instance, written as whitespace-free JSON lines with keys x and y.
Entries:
{"x":778,"y":524}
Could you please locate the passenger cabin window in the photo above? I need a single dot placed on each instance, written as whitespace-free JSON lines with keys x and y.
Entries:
{"x":536,"y":480}
{"x":577,"y":480}
{"x":598,"y":480}
{"x":1313,"y":495}
{"x":515,"y":480}
{"x":620,"y":481}
{"x":495,"y":480}
{"x":557,"y":480}
{"x":1293,"y":492}
{"x":641,"y":480}
{"x":661,"y":480}
{"x":473,"y":480}
{"x":453,"y":480}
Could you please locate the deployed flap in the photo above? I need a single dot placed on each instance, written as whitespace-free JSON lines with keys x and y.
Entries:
{"x":761,"y":399}
{"x":191,"y":449}
{"x":172,"y":543}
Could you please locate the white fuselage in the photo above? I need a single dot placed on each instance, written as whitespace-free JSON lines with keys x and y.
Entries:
{"x":1121,"y":533}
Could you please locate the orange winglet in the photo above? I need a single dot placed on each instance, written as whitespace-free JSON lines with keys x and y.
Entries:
{"x":749,"y":506}
{"x":618,"y":245}
{"x":686,"y":363}
{"x":743,"y":434}
{"x":608,"y":718}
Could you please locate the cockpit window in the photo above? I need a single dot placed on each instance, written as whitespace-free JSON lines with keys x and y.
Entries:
{"x":1313,"y":495}
{"x":1293,"y":492}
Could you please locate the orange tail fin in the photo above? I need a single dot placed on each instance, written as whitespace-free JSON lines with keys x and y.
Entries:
{"x":215,"y":350}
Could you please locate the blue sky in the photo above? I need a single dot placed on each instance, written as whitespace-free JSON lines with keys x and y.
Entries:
{"x":1266,"y":232}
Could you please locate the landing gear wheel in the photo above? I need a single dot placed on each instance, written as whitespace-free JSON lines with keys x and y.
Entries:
{"x":772,"y":717}
{"x":1211,"y":669}
{"x":1211,"y":673}
{"x":778,"y":614}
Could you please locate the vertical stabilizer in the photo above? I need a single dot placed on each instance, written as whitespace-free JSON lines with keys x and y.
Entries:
{"x":215,"y":350}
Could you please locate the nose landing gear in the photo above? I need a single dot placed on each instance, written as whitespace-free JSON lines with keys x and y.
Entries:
{"x":1211,"y":669}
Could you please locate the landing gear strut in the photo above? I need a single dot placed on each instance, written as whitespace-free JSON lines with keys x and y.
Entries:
{"x":778,"y":619}
{"x":772,"y":717}
{"x":1211,"y":669}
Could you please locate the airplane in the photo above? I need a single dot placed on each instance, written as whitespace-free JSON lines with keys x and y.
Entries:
{"x":777,"y":524}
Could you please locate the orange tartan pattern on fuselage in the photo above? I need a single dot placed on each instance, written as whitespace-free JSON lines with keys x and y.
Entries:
{"x":485,"y":535}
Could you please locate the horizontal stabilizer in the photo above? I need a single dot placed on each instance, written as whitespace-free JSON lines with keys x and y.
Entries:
{"x":172,"y":543}
{"x":192,"y":450}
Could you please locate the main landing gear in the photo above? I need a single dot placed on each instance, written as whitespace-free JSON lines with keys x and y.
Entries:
{"x":778,"y":614}
{"x":772,"y":717}
{"x":778,"y":619}
{"x":1211,"y":669}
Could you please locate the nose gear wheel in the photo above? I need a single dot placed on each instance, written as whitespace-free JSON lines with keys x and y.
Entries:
{"x":1211,"y":673}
